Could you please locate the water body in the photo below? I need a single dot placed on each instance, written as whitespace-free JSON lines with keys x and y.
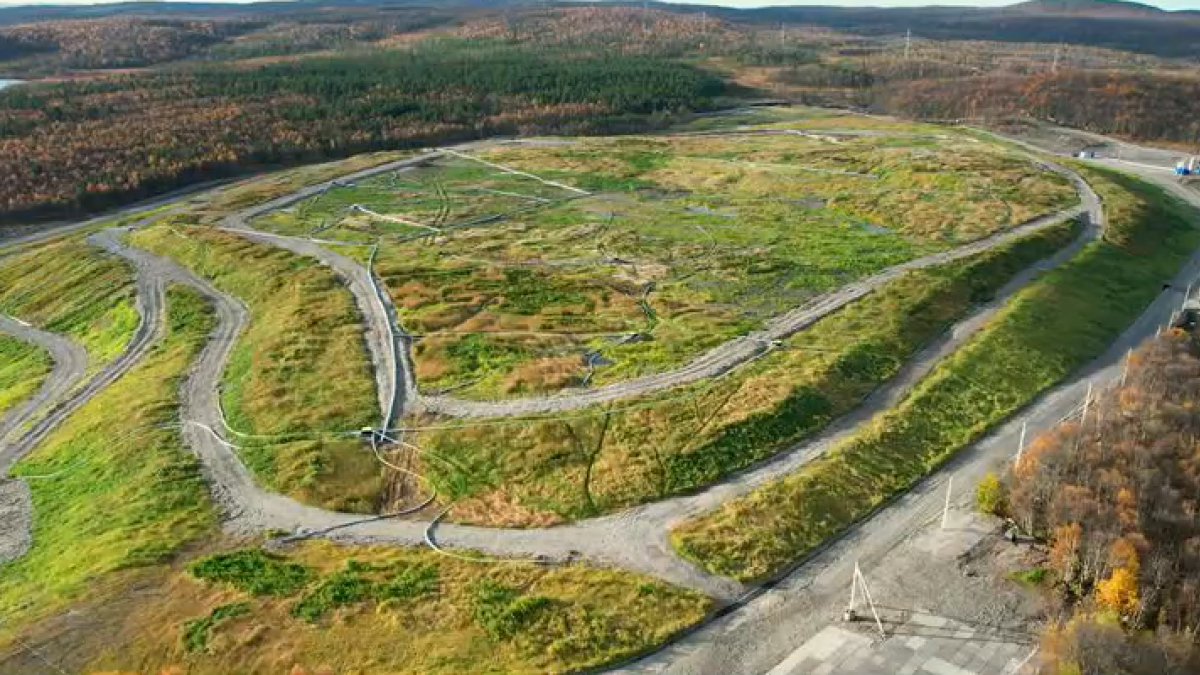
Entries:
{"x":5,"y":84}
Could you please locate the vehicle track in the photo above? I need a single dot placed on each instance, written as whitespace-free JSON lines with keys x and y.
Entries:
{"x":70,"y":365}
{"x":725,"y":357}
{"x":773,"y":623}
{"x":635,"y":539}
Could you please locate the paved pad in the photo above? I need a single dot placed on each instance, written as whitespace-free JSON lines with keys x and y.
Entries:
{"x":916,"y":644}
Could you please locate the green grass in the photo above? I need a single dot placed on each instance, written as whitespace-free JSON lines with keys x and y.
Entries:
{"x":113,"y":492}
{"x":23,"y":368}
{"x":389,"y":609}
{"x":717,"y":234}
{"x":252,"y":571}
{"x":1033,"y":576}
{"x":77,"y":290}
{"x":196,"y":632}
{"x":300,"y":372}
{"x":545,"y":469}
{"x":1050,"y":329}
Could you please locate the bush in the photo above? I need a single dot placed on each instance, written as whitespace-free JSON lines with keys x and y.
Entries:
{"x":502,"y":611}
{"x":197,"y":631}
{"x":343,"y":588}
{"x":253,"y":571}
{"x":990,"y":495}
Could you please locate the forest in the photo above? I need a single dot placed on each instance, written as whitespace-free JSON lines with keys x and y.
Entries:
{"x":85,"y":145}
{"x":1151,"y":106}
{"x":135,"y":105}
{"x":1115,"y":494}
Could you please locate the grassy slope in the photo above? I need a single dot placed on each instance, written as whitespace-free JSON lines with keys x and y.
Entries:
{"x":120,"y":491}
{"x":1050,"y":329}
{"x":573,"y":617}
{"x":543,"y":470}
{"x":71,"y":288}
{"x":23,"y":367}
{"x":301,"y":365}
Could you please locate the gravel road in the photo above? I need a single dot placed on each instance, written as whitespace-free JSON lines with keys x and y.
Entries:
{"x":70,"y":365}
{"x":635,"y":539}
{"x":760,"y":634}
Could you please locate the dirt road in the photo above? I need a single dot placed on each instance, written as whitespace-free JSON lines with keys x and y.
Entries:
{"x":761,"y":634}
{"x":70,"y":364}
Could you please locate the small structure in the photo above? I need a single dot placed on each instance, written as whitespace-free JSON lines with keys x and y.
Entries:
{"x":1188,"y":318}
{"x":1187,"y":167}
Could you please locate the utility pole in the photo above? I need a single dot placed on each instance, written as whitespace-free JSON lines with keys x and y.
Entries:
{"x":1087,"y":403}
{"x":1125,"y":368}
{"x":1057,"y":53}
{"x":1021,"y":443}
{"x":782,"y":36}
{"x":946,"y":508}
{"x":859,"y":583}
{"x":907,"y":43}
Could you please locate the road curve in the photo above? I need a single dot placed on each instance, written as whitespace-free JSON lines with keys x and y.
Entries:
{"x":150,"y":303}
{"x":70,"y":365}
{"x":391,"y":348}
{"x":725,"y":357}
{"x":635,"y":539}
{"x":770,"y":626}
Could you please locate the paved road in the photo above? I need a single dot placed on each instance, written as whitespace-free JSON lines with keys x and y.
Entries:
{"x":766,"y":631}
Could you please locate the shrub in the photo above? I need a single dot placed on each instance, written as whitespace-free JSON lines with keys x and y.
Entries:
{"x":502,"y":611}
{"x":253,"y":571}
{"x":343,"y":588}
{"x":197,"y":631}
{"x":990,"y":495}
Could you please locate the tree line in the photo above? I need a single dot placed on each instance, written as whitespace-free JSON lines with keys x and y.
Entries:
{"x":1116,"y":495}
{"x":84,"y":145}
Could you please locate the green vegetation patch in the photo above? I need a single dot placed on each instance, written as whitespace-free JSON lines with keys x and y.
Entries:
{"x":23,"y":368}
{"x":113,"y":491}
{"x":686,"y":242}
{"x":253,"y":571}
{"x":548,"y":469}
{"x":406,"y":610}
{"x":77,"y":290}
{"x":299,"y":374}
{"x":197,"y":632}
{"x":1045,"y":333}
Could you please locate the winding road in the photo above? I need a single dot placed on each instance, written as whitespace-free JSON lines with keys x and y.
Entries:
{"x":753,"y":638}
{"x":635,"y":539}
{"x":769,"y":626}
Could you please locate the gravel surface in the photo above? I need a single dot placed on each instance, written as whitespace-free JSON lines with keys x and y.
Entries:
{"x":70,"y":365}
{"x":725,"y":357}
{"x":750,"y":639}
{"x":761,"y":633}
